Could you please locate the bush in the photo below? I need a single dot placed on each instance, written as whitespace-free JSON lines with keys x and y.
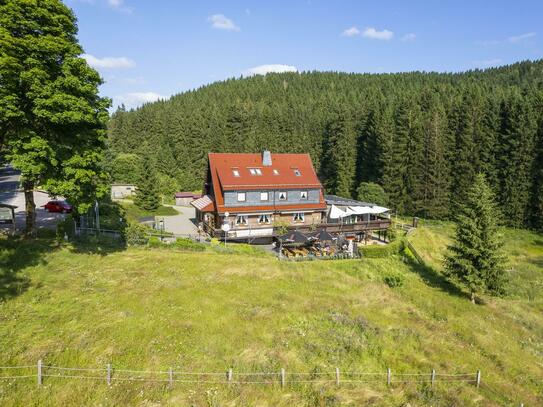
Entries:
{"x":154,"y":242}
{"x":187,"y":244}
{"x":393,"y":280}
{"x":135,"y":234}
{"x":380,"y":251}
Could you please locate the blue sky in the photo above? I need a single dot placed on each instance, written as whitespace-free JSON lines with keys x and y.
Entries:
{"x":149,"y":49}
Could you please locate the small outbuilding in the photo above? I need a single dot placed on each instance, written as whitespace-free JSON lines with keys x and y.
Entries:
{"x":120,"y":191}
{"x":185,"y":198}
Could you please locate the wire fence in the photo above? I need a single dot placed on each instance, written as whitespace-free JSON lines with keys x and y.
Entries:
{"x":108,"y":375}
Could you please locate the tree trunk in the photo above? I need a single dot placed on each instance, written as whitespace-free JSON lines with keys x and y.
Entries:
{"x":473,"y":297}
{"x":30,"y":207}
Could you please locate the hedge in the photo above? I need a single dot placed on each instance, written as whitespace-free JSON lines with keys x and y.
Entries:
{"x":380,"y":251}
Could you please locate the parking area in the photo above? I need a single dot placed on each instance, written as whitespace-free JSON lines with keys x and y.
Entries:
{"x":12,"y":195}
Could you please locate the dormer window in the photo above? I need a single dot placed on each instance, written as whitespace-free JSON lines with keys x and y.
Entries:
{"x":235,"y":172}
{"x":255,"y":171}
{"x":275,"y":172}
{"x":297,"y":172}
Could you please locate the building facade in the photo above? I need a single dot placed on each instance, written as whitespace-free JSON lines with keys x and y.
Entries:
{"x":249,"y":195}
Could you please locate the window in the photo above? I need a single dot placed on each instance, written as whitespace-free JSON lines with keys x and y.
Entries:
{"x":241,"y":197}
{"x":282,"y":196}
{"x":297,"y":172}
{"x":265,"y":218}
{"x":235,"y":172}
{"x":255,"y":171}
{"x":275,"y":172}
{"x":303,"y":195}
{"x":264,"y":196}
{"x":299,"y":217}
{"x":241,"y":220}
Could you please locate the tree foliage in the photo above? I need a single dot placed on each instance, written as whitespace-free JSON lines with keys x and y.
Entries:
{"x":148,"y":193}
{"x":475,"y":258}
{"x":52,"y":121}
{"x":372,"y":193}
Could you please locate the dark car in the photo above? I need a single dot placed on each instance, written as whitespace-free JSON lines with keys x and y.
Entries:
{"x":58,"y":206}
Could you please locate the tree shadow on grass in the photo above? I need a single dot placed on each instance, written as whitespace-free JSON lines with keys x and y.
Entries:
{"x":434,"y":279}
{"x":101,"y":245}
{"x":17,"y":254}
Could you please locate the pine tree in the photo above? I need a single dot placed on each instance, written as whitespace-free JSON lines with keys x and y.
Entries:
{"x":475,"y":258}
{"x":148,"y":194}
{"x":516,"y":157}
{"x":339,"y":163}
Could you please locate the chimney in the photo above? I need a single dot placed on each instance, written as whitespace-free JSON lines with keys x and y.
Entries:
{"x":266,"y":159}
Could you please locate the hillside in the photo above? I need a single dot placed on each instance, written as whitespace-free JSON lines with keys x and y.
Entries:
{"x":149,"y":309}
{"x":422,"y":136}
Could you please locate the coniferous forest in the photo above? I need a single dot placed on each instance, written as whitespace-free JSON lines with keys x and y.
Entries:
{"x":422,"y":136}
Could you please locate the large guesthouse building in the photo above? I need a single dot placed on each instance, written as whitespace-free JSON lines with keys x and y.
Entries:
{"x":252,"y":193}
{"x":250,"y":196}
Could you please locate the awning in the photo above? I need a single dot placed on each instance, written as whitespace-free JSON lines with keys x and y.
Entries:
{"x":363,"y":210}
{"x":204,"y":204}
{"x":336,"y":213}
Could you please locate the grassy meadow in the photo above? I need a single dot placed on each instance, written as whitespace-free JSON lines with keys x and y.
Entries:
{"x":151,"y":309}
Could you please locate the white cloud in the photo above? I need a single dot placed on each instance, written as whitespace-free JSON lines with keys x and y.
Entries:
{"x":409,"y":37}
{"x":374,"y":34}
{"x":135,"y":99}
{"x":517,"y":38}
{"x":119,"y":5}
{"x":221,"y":22}
{"x":264,"y":69}
{"x":488,"y":62}
{"x":350,"y":32}
{"x":109,"y":62}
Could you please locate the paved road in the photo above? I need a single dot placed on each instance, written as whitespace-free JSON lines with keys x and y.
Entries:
{"x":11,"y":194}
{"x":183,"y":223}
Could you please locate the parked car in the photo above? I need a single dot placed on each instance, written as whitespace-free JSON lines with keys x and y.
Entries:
{"x":58,"y":206}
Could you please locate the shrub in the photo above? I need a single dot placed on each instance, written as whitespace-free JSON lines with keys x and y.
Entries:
{"x":154,"y":242}
{"x":393,"y":280}
{"x":135,"y":234}
{"x":187,"y":244}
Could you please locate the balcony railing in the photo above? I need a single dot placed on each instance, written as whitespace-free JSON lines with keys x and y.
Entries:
{"x":355,"y":227}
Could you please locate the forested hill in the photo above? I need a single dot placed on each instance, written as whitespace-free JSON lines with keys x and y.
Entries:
{"x":422,"y":136}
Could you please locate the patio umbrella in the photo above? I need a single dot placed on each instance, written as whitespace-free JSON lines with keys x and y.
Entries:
{"x":294,"y":237}
{"x":323,"y":236}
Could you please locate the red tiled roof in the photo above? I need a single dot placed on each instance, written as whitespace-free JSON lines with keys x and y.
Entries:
{"x":222,"y":166}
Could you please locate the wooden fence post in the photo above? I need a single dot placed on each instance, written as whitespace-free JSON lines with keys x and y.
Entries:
{"x":108,"y":377}
{"x":478,"y":378}
{"x":337,"y":376}
{"x":39,"y":372}
{"x":170,"y":377}
{"x":229,"y":375}
{"x":389,"y":376}
{"x":282,"y":377}
{"x":433,"y":376}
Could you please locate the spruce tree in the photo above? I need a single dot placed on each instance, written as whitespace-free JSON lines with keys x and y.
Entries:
{"x":475,"y":258}
{"x":148,"y":194}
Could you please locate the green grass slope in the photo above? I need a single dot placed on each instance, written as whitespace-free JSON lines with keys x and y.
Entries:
{"x":151,"y":309}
